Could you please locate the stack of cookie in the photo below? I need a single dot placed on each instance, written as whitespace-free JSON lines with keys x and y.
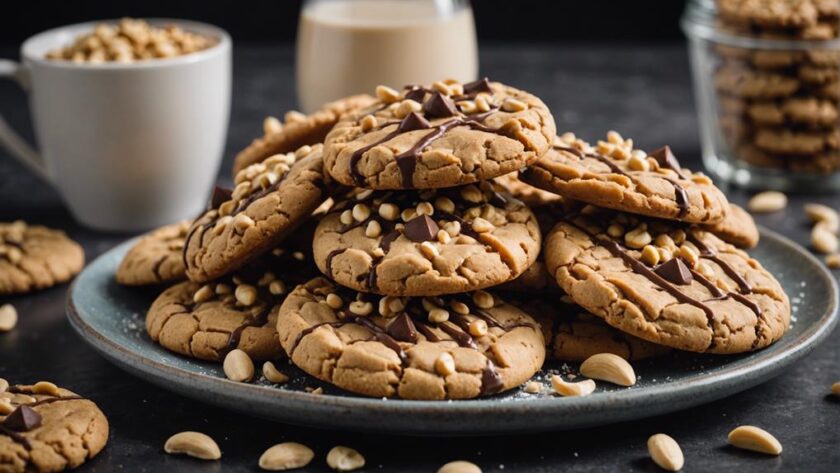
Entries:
{"x":445,"y":274}
{"x":778,"y":108}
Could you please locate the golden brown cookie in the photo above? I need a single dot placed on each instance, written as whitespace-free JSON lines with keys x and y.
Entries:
{"x":441,"y":136}
{"x":616,"y":176}
{"x":423,"y":243}
{"x":450,"y":347}
{"x":532,"y":196}
{"x":771,"y":13}
{"x":740,"y":82}
{"x":35,"y":257}
{"x":156,"y":258}
{"x":270,"y":201}
{"x":667,"y":283}
{"x":737,"y":228}
{"x":48,"y":429}
{"x":297,"y":130}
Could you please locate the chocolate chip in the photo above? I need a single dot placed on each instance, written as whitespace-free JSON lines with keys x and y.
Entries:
{"x":22,"y":419}
{"x":220,"y":196}
{"x":416,"y":93}
{"x":402,"y":328}
{"x":439,"y":106}
{"x":421,"y":228}
{"x":480,"y":85}
{"x":414,"y":121}
{"x":675,"y":271}
{"x":385,"y":242}
{"x":666,"y":158}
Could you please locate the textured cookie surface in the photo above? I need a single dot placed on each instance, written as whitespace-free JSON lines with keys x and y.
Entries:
{"x":801,"y":111}
{"x":49,"y":432}
{"x":673,"y":285}
{"x":616,"y":176}
{"x":746,"y":83}
{"x":156,"y":258}
{"x":35,"y":257}
{"x":438,"y":137}
{"x":389,"y":347}
{"x":297,"y":130}
{"x":532,"y":196}
{"x":426,"y":242}
{"x":771,"y":13}
{"x":572,"y":334}
{"x":208,"y":320}
{"x":270,"y":200}
{"x":737,"y":228}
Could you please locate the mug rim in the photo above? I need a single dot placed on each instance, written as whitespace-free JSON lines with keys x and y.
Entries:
{"x":29,"y":55}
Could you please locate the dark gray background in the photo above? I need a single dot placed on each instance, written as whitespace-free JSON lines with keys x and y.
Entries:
{"x":642,"y":89}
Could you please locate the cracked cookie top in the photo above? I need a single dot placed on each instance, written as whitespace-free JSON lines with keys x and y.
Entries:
{"x":44,"y":428}
{"x":615,"y":175}
{"x":737,"y":228}
{"x":270,"y":200}
{"x":297,"y":130}
{"x":669,"y":283}
{"x":777,"y":13}
{"x":35,"y":257}
{"x":156,"y":258}
{"x":445,"y":135}
{"x":430,"y":242}
{"x":208,"y":320}
{"x":447,"y":347}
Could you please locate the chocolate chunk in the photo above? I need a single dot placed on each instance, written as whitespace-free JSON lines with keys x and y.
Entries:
{"x":421,"y":228}
{"x":402,"y":329}
{"x":22,"y":419}
{"x":675,"y":271}
{"x":439,"y":106}
{"x":666,"y":158}
{"x":480,"y":85}
{"x":220,"y":196}
{"x":414,"y":121}
{"x":385,"y":242}
{"x":416,"y":93}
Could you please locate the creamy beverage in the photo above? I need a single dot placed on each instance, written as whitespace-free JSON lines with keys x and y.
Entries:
{"x":347,"y":47}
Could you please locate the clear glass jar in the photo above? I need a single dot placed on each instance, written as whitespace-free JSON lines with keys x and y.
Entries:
{"x":767,"y":101}
{"x":347,"y":47}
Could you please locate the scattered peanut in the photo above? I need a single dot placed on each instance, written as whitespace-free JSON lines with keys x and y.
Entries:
{"x":8,"y":317}
{"x":286,"y":456}
{"x":46,"y":387}
{"x":833,"y":261}
{"x":565,"y":388}
{"x":445,"y":364}
{"x":238,"y":366}
{"x":609,"y":367}
{"x":765,"y":202}
{"x":823,"y":240}
{"x":835,"y":388}
{"x":194,"y":444}
{"x":345,"y":459}
{"x":532,"y":387}
{"x":753,"y":438}
{"x":272,"y":374}
{"x":819,"y":213}
{"x":459,"y":466}
{"x":665,"y":452}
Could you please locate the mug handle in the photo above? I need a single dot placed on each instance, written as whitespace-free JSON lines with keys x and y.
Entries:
{"x":10,"y":139}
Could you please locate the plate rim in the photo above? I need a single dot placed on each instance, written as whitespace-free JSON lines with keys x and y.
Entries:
{"x":751,"y":373}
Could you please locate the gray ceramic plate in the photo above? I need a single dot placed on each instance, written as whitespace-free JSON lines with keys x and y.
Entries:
{"x":110,"y":318}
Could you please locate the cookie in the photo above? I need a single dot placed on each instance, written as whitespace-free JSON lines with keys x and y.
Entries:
{"x":704,"y":295}
{"x":447,"y":135}
{"x":297,"y":130}
{"x":270,"y":200}
{"x":448,"y":347}
{"x":156,"y":258}
{"x":426,"y":243}
{"x":35,"y":257}
{"x":740,"y":82}
{"x":573,"y":335}
{"x":807,"y":111}
{"x":770,"y":13}
{"x":532,"y":196}
{"x":738,"y":228}
{"x":614,"y":175}
{"x":816,"y":75}
{"x":785,"y":141}
{"x":819,"y":163}
{"x":48,"y":429}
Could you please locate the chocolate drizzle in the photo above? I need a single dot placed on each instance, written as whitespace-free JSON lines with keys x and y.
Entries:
{"x":13,"y":428}
{"x":258,"y":320}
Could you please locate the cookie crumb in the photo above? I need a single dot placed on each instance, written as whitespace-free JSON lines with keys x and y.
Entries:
{"x":532,"y":387}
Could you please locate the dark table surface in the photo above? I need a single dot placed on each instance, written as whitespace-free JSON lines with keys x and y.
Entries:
{"x":643,"y":91}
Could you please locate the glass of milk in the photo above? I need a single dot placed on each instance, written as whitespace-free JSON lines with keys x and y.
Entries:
{"x":346,"y":47}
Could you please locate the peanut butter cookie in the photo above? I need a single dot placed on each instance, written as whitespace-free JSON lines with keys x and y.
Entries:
{"x":35,"y":257}
{"x":737,"y":228}
{"x":297,"y":130}
{"x":441,"y":136}
{"x":44,"y":428}
{"x":423,"y":243}
{"x":667,"y":283}
{"x":450,"y":347}
{"x":270,"y":201}
{"x":156,"y":258}
{"x":614,"y":175}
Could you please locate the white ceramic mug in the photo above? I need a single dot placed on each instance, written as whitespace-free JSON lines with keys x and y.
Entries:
{"x":129,"y":146}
